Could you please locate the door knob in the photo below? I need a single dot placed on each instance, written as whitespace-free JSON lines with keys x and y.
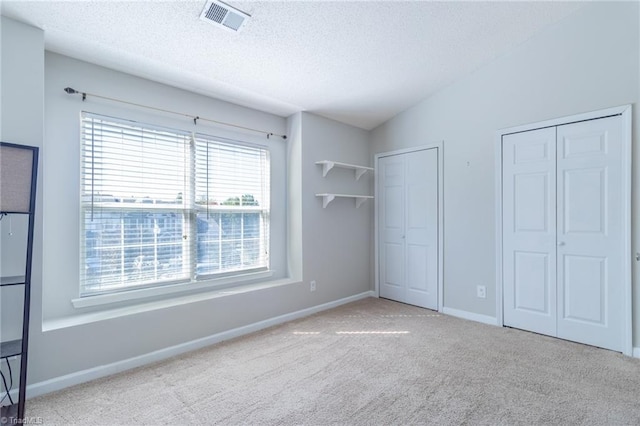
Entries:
{"x":560,"y":243}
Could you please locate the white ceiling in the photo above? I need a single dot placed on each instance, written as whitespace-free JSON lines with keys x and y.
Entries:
{"x":359,"y":62}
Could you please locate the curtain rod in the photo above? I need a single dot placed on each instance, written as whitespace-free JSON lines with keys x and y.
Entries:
{"x":195,"y":118}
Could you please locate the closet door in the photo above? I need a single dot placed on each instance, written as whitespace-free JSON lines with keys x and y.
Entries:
{"x":562,"y":229}
{"x":590,"y":234}
{"x":529,"y":230}
{"x":408,"y":226}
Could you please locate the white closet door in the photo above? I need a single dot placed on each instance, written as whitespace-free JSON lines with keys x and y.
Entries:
{"x":563,"y":212}
{"x":421,"y":225}
{"x":408,"y":219}
{"x":529,"y":230}
{"x":590,"y":263}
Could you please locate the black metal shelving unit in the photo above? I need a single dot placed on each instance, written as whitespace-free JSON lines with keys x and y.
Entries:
{"x":18,"y":163}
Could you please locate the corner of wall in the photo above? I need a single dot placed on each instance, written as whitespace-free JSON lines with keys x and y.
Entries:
{"x":294,"y":196}
{"x":22,"y":122}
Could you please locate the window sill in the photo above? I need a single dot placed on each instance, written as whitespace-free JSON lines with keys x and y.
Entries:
{"x":147,"y":293}
{"x":117,"y":312}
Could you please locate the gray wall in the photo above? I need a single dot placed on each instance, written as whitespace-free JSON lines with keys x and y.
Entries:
{"x":328,"y":234}
{"x":586,"y":62}
{"x":62,"y":186}
{"x":21,"y":118}
{"x":65,"y":341}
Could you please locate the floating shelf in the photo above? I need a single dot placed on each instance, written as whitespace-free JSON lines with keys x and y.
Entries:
{"x":327,"y":198}
{"x":328,"y":165}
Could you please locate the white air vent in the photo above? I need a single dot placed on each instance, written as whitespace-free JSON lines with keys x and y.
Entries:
{"x":224,"y":16}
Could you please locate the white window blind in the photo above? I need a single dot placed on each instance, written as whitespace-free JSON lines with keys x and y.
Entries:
{"x":232,"y":199}
{"x":162,"y":206}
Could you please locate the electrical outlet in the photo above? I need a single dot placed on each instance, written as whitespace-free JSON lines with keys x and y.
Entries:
{"x":312,"y":286}
{"x":481,"y":291}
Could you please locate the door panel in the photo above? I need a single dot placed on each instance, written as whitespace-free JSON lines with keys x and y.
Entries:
{"x":529,"y":246}
{"x":393,"y":262}
{"x":531,"y":209}
{"x":585,"y":289}
{"x":590,"y":217}
{"x":417,"y":271}
{"x":584,"y":195}
{"x":585,"y":144}
{"x":531,"y":282}
{"x":393,"y":199}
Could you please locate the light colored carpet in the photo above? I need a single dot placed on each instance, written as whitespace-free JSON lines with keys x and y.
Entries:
{"x":372,"y":362}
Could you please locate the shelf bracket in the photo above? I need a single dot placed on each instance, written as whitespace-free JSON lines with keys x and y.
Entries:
{"x":360,"y":201}
{"x":326,"y":199}
{"x":326,"y":166}
{"x":360,"y":172}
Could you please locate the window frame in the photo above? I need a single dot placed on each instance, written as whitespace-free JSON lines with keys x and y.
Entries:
{"x":189,"y":211}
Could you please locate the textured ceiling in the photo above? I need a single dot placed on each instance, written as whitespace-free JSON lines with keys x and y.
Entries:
{"x":359,"y":62}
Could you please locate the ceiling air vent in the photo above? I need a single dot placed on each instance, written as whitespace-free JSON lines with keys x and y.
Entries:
{"x":223,"y":15}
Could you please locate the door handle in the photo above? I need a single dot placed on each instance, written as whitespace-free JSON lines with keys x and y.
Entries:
{"x":560,"y":243}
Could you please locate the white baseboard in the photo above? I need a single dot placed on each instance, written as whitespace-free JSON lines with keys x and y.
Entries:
{"x":636,"y":352}
{"x":76,"y":378}
{"x":470,"y":316}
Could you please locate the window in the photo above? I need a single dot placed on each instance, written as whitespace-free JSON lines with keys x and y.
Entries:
{"x":232,"y":206}
{"x":164,"y":206}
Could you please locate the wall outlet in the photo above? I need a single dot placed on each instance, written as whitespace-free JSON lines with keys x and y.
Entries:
{"x":312,"y":286}
{"x":481,"y":291}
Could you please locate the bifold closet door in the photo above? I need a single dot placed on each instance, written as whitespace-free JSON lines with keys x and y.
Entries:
{"x":529,"y":230}
{"x":408,"y":227}
{"x":590,"y":232}
{"x":562,"y":231}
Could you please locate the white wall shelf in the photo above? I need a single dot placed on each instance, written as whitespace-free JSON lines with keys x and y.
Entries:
{"x":327,"y":165}
{"x":327,"y":198}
